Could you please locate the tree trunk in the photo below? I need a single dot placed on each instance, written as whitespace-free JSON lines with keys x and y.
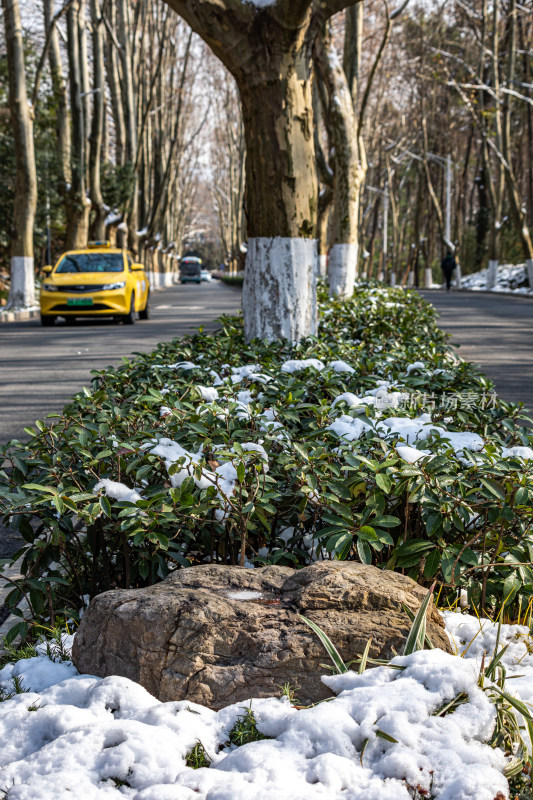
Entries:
{"x":78,"y":205}
{"x":350,"y":170}
{"x":60,"y":96}
{"x":97,"y":228}
{"x":279,"y":293}
{"x":22,"y":291}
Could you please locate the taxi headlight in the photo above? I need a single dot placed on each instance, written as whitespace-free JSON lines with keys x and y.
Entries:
{"x":50,"y":287}
{"x":117,"y":285}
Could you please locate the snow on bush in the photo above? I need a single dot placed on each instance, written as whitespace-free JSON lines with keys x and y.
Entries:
{"x":384,"y":736}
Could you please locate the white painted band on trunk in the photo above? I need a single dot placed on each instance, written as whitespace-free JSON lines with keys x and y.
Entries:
{"x":342,"y":269}
{"x":322,"y":265}
{"x":411,"y":278}
{"x":492,"y":273}
{"x":529,"y":271}
{"x":22,"y":288}
{"x":458,"y":276}
{"x":279,"y":291}
{"x":392,"y":280}
{"x":428,"y":278}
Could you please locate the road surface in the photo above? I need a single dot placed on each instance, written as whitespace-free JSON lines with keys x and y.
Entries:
{"x":494,"y":331}
{"x":40,"y":368}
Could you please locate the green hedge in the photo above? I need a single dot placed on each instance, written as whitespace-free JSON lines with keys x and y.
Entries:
{"x":301,"y":493}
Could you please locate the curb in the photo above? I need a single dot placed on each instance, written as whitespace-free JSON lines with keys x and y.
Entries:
{"x":19,"y":315}
{"x":476,"y":291}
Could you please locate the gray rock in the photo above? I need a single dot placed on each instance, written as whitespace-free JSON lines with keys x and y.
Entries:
{"x":196,"y":637}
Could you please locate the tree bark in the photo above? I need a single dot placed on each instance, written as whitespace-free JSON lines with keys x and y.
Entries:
{"x":97,"y":227}
{"x":60,"y":96}
{"x":78,"y":205}
{"x":349,"y":171}
{"x":22,"y":291}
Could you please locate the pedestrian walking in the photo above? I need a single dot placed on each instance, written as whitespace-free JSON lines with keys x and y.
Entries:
{"x":447,"y":265}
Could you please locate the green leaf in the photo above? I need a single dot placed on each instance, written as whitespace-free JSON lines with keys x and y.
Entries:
{"x":494,"y":488}
{"x":432,"y":564}
{"x":364,"y":551}
{"x":384,"y":482}
{"x":240,"y":472}
{"x":105,"y":505}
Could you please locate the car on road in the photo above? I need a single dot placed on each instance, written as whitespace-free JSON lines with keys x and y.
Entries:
{"x":205,"y":275}
{"x":98,"y":281}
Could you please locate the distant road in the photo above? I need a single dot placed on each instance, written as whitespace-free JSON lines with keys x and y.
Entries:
{"x":40,"y":368}
{"x":495,"y":331}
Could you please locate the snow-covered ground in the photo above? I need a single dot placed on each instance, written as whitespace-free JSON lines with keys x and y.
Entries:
{"x":509,"y":278}
{"x":381,"y":738}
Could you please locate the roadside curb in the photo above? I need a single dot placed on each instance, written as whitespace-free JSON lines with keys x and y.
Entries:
{"x":19,"y":315}
{"x":476,"y":291}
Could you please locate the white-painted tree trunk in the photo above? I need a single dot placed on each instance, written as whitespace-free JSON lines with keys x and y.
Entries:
{"x":323,"y":265}
{"x":458,"y":276}
{"x":342,"y":269}
{"x":492,"y":273}
{"x":279,"y":291}
{"x":393,"y":279}
{"x":411,"y":278}
{"x":529,"y":271}
{"x":22,"y":289}
{"x":428,"y":278}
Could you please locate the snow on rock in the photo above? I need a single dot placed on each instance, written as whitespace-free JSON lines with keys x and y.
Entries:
{"x":117,"y":491}
{"x":87,"y":735}
{"x":297,"y":365}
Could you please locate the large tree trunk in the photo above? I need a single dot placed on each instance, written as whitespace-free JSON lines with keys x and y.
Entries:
{"x":22,"y":291}
{"x":267,"y":48}
{"x":279,"y":293}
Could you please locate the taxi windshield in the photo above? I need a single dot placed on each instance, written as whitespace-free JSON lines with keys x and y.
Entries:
{"x":91,"y":262}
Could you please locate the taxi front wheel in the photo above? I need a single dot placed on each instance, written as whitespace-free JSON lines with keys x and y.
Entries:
{"x":129,"y":319}
{"x":47,"y":320}
{"x":145,"y":313}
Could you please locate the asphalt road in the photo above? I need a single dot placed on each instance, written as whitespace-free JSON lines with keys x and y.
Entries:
{"x":40,"y":368}
{"x":494,"y":331}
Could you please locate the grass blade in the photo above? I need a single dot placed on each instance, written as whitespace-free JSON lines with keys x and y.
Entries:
{"x":332,"y":651}
{"x":417,"y":634}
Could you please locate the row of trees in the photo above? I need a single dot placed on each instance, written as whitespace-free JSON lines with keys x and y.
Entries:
{"x":385,"y":134}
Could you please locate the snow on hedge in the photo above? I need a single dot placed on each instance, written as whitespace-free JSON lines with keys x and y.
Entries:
{"x":379,"y":738}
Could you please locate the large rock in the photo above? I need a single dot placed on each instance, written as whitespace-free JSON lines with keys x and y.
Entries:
{"x":217,"y":635}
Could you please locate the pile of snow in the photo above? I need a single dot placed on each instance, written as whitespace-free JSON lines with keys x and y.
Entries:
{"x":378,"y":738}
{"x":509,"y":278}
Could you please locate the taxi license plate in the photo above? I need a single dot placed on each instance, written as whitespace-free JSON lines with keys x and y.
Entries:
{"x":79,"y":301}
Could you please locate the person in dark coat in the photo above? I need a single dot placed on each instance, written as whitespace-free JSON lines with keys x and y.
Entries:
{"x":447,"y":266}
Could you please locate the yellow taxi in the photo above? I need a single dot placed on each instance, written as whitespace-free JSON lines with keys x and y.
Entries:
{"x":98,"y":281}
